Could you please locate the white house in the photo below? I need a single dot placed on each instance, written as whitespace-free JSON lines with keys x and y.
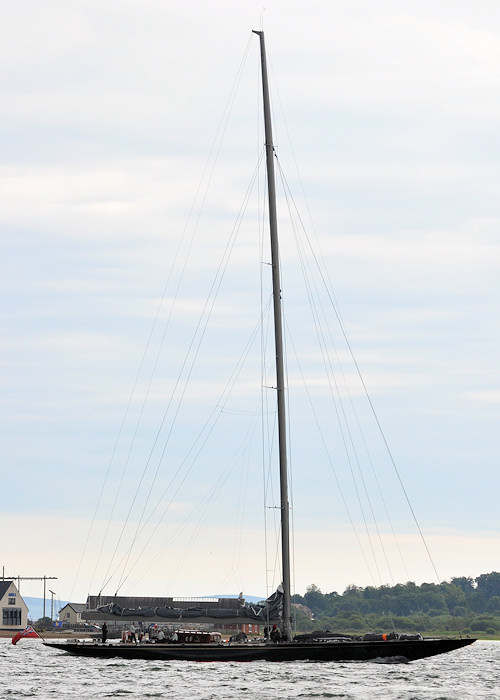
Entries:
{"x":72,"y":613}
{"x":14,"y":609}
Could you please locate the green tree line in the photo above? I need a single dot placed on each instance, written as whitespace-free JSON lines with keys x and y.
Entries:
{"x":462,"y":605}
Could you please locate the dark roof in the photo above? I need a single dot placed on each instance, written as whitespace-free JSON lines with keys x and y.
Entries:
{"x":77,"y":607}
{"x":4,"y":587}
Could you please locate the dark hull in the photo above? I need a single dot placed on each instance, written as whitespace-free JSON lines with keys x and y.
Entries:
{"x":341,"y":651}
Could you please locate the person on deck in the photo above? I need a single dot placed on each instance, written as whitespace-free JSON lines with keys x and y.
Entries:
{"x":275,"y":634}
{"x":133,"y":638}
{"x":104,"y":632}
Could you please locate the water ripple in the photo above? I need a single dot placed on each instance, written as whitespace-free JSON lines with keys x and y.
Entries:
{"x":30,"y":670}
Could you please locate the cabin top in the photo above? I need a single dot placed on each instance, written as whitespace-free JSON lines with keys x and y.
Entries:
{"x":94,"y":601}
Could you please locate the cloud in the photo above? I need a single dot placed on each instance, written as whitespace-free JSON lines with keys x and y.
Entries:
{"x":107,"y":124}
{"x":488,"y":396}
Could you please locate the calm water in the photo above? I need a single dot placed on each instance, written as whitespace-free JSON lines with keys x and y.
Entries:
{"x":30,"y":670}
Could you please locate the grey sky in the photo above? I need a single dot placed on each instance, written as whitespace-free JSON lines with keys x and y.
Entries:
{"x":108,"y":114}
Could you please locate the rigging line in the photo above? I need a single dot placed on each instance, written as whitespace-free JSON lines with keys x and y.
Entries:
{"x":205,"y":502}
{"x":290,"y":480}
{"x":269,"y":439}
{"x":214,"y":148}
{"x":269,"y":430}
{"x":203,"y":508}
{"x":287,"y":189}
{"x":227,"y":391}
{"x":238,"y":412}
{"x":325,"y":355}
{"x":361,"y":433}
{"x":330,"y":372}
{"x":382,"y":497}
{"x":238,"y":537}
{"x":207,"y":312}
{"x":343,"y":424}
{"x":290,"y":446}
{"x":200,"y":507}
{"x":214,"y":416}
{"x":132,"y":393}
{"x":161,"y":345}
{"x":203,"y":517}
{"x":270,"y":481}
{"x":380,"y":539}
{"x":346,"y":433}
{"x":332,"y":467}
{"x":174,"y":263}
{"x":374,"y":413}
{"x":370,"y":462}
{"x":172,"y":499}
{"x":264,"y":339}
{"x":424,"y":541}
{"x":264,"y":494}
{"x":215,"y":492}
{"x":328,"y":287}
{"x":335,"y":305}
{"x":268,"y":485}
{"x":203,"y":513}
{"x":193,"y":350}
{"x":277,"y":567}
{"x":240,"y":510}
{"x":216,"y":411}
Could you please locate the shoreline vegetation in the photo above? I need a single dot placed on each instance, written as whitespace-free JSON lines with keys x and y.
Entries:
{"x":462,"y":606}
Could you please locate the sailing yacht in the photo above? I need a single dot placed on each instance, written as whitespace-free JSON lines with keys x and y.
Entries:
{"x":277,"y":610}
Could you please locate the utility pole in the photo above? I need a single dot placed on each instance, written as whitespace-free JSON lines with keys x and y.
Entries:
{"x":31,"y":578}
{"x":52,"y":594}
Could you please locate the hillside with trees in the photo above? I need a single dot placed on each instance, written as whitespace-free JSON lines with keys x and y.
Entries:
{"x":462,"y":605}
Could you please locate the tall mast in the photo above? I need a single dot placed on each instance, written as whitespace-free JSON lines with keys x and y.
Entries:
{"x":278,"y":340}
